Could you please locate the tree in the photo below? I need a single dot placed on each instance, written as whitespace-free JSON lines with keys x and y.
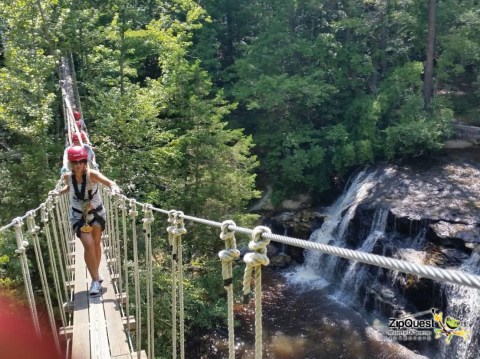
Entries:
{"x":428,"y":77}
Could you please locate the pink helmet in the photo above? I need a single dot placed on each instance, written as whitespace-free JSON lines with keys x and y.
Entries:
{"x":77,"y":153}
{"x":77,"y":115}
{"x":75,"y":136}
{"x":79,"y":124}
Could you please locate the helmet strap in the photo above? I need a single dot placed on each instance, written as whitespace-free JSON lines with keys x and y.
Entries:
{"x":79,"y":194}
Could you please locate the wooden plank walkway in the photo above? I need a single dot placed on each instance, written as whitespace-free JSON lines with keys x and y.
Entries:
{"x":98,"y":331}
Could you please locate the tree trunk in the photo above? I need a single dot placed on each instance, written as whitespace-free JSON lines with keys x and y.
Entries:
{"x":428,"y":79}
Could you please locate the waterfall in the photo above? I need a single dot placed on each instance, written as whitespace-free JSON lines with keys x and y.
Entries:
{"x":356,"y":273}
{"x":463,"y":303}
{"x":319,"y":267}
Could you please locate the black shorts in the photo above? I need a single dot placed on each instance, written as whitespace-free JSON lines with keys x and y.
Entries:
{"x":97,"y":220}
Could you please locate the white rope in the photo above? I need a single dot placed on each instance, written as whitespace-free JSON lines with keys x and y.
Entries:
{"x":106,"y":235}
{"x":431,"y":272}
{"x":147,"y":230}
{"x":171,"y":229}
{"x":123,"y":207}
{"x":113,"y":241}
{"x":116,"y":236}
{"x":55,"y":239}
{"x":117,"y":240}
{"x":53,"y":264}
{"x":180,"y":230}
{"x":227,"y":256}
{"x":62,"y":232}
{"x":33,"y":231}
{"x":64,"y":209}
{"x":21,"y":244}
{"x":254,"y":262}
{"x":13,"y":222}
{"x":175,"y":232}
{"x":435,"y":273}
{"x":138,"y":305}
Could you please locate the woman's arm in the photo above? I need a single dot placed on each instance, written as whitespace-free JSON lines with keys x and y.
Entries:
{"x":66,"y":188}
{"x":65,"y":162}
{"x":63,"y":190}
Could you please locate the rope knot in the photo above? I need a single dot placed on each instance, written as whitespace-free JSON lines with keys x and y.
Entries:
{"x":228,"y":255}
{"x":49,"y":204}
{"x":18,"y":222}
{"x":256,"y":259}
{"x":180,"y":225}
{"x":148,"y":217}
{"x":172,"y":216}
{"x":258,"y":243}
{"x":43,"y":213}
{"x":121,"y":204}
{"x":226,"y":234}
{"x":32,"y":228}
{"x":133,"y":209}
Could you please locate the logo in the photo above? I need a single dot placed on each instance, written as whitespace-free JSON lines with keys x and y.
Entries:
{"x":450,"y":327}
{"x":409,"y":327}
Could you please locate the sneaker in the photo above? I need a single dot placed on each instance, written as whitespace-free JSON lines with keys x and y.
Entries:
{"x":95,"y":288}
{"x":100,"y":278}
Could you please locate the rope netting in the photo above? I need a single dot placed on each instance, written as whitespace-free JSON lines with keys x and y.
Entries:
{"x":117,"y":236}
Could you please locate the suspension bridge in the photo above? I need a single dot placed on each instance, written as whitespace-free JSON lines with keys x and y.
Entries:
{"x":105,"y":326}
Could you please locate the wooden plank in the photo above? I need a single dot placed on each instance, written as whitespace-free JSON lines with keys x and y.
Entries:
{"x":81,"y":337}
{"x":98,"y":330}
{"x":122,"y":298}
{"x":116,"y":332}
{"x":66,"y":333}
{"x":134,"y":355}
{"x":131,"y":323}
{"x":69,"y":306}
{"x":143,"y":355}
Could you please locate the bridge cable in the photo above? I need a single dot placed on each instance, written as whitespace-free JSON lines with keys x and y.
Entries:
{"x":227,"y":255}
{"x":21,"y":251}
{"x":138,"y":305}
{"x":175,"y":232}
{"x":53,"y":265}
{"x":33,"y":230}
{"x":50,"y":210}
{"x":147,"y":230}
{"x":254,"y":262}
{"x":171,"y":240}
{"x":123,"y":207}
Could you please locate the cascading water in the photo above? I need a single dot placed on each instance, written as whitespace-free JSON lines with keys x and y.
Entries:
{"x":356,"y":273}
{"x":318,"y":267}
{"x":388,"y":293}
{"x":463,"y":303}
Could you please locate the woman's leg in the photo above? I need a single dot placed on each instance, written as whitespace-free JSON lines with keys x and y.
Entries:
{"x":97,"y":237}
{"x":90,"y":254}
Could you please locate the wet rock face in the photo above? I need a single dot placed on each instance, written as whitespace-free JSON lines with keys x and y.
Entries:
{"x":297,"y":224}
{"x":440,"y":205}
{"x":446,"y":195}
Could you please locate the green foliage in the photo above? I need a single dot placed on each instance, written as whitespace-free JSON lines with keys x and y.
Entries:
{"x":10,"y":271}
{"x":419,"y":134}
{"x":320,"y":87}
{"x":28,"y":160}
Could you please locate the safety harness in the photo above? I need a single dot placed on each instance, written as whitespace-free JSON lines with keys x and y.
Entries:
{"x":80,"y":196}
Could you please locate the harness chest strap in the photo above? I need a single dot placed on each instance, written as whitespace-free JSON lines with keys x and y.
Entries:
{"x":86,"y":182}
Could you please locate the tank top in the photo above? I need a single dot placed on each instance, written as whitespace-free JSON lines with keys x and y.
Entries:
{"x":84,"y":193}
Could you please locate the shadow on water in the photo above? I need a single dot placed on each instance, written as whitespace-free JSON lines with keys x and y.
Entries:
{"x":302,"y":323}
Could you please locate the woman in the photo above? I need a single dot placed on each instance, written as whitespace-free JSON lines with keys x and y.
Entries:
{"x":76,"y":142}
{"x":87,"y":215}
